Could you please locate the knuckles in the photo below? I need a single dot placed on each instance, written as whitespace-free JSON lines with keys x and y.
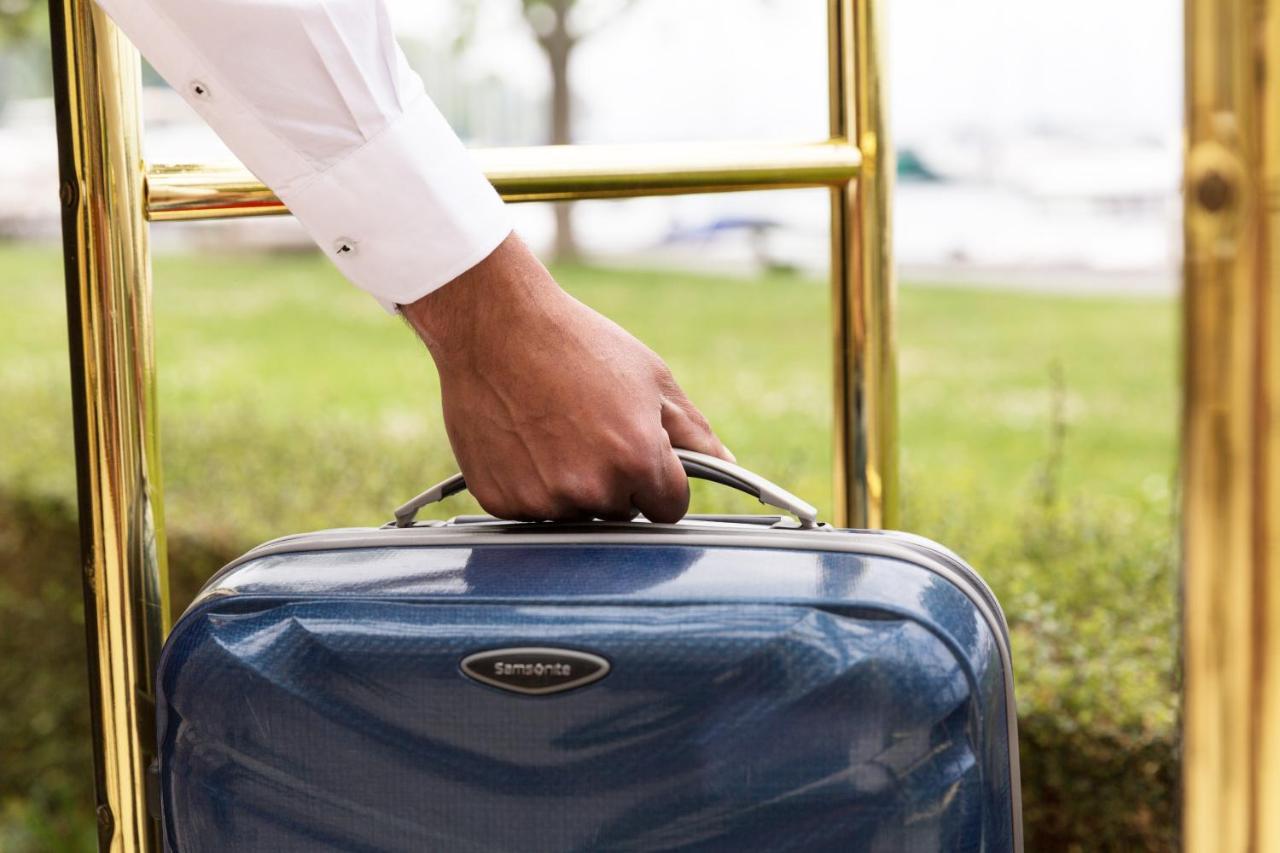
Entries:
{"x":632,"y":469}
{"x":602,"y":489}
{"x":597,"y":480}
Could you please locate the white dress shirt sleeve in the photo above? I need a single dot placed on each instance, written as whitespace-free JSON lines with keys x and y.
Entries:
{"x":317,"y":100}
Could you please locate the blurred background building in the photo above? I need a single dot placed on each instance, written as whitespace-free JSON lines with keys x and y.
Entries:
{"x":1038,"y":143}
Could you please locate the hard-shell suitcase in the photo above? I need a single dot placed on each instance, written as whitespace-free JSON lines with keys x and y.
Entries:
{"x":725,"y":683}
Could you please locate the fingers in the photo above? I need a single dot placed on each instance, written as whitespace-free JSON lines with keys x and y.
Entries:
{"x":665,"y":498}
{"x":597,"y":496}
{"x":569,"y":494}
{"x":604,"y":467}
{"x":614,"y":488}
{"x":688,"y":429}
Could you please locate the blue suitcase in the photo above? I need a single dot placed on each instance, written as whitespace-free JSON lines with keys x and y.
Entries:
{"x":725,"y":683}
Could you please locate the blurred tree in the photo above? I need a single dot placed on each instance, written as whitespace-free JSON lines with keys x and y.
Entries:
{"x":24,"y":49}
{"x":559,"y":26}
{"x":21,"y":20}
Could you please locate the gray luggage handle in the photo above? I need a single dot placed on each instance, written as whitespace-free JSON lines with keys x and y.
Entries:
{"x":695,"y":464}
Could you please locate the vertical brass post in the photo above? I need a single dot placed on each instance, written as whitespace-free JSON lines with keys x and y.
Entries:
{"x":97,"y":79}
{"x":865,"y":424}
{"x":1231,"y":428}
{"x":1267,"y":728}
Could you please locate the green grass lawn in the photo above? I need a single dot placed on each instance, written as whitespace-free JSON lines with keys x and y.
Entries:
{"x":258,"y":356}
{"x":1038,"y":436}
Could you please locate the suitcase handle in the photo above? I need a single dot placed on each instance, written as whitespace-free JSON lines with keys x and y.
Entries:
{"x":698,"y":465}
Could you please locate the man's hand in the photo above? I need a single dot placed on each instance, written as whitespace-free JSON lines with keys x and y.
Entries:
{"x":554,"y":411}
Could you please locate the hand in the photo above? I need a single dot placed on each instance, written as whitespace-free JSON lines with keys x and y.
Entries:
{"x":555,"y":412}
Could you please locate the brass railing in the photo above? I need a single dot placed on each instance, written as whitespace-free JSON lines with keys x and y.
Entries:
{"x":546,"y":173}
{"x":108,"y":195}
{"x":1231,"y":428}
{"x":108,"y":273}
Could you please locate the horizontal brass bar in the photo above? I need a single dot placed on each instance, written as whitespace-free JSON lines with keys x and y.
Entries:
{"x":546,"y":173}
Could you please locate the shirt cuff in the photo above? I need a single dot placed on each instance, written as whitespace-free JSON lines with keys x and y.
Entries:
{"x":405,"y":213}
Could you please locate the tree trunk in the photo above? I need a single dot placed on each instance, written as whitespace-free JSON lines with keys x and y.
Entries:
{"x":558,"y":45}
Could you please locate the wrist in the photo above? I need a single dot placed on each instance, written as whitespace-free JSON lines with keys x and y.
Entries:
{"x":495,"y":297}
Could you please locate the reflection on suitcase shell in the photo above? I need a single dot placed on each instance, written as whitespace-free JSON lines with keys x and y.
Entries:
{"x":767,"y":690}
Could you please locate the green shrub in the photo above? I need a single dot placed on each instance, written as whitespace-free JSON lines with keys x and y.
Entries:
{"x":1093,"y":651}
{"x":1087,"y":585}
{"x":1088,"y":590}
{"x":46,"y":775}
{"x":1088,"y":790}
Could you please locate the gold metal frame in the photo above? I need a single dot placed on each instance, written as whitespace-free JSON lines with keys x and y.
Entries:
{"x":108,"y":194}
{"x":1231,"y":428}
{"x":96,"y":73}
{"x":545,"y":173}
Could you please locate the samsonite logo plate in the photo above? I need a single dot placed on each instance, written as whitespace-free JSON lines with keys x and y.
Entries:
{"x":535,"y":670}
